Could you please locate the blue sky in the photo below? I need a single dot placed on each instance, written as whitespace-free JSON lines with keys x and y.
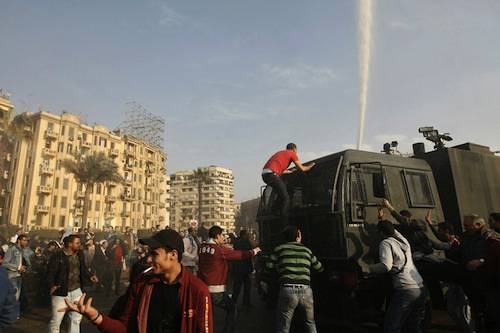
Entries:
{"x":237,"y":80}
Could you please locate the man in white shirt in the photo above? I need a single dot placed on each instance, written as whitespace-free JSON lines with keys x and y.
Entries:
{"x":190,"y":255}
{"x":407,"y":306}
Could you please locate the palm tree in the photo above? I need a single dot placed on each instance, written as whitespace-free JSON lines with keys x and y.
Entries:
{"x":200,"y":177}
{"x":89,"y":170}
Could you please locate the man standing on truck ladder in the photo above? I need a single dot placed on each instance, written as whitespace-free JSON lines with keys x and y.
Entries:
{"x":276,"y":166}
{"x":294,"y":263}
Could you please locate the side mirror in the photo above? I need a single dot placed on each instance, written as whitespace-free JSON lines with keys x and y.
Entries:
{"x":378,"y":185}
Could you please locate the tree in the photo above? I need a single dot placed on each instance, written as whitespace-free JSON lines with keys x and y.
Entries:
{"x":200,"y":178}
{"x":21,"y":127}
{"x":90,"y":170}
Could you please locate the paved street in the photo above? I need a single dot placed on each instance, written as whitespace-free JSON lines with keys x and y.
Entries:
{"x":258,"y":319}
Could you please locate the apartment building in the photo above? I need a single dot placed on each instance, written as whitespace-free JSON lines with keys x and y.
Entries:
{"x":6,"y":109}
{"x":43,"y":195}
{"x":217,"y":204}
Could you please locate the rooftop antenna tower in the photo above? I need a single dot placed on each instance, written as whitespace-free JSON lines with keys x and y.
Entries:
{"x":142,"y":124}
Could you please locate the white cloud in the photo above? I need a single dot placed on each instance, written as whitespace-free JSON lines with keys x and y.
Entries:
{"x":298,"y":76}
{"x":169,"y":17}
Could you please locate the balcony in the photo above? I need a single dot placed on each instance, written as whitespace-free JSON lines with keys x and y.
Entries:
{"x":162,"y":205}
{"x":86,"y":144}
{"x":161,"y":218}
{"x":114,"y":153}
{"x":127,"y":197}
{"x":3,"y":192}
{"x":147,"y":215}
{"x":130,"y":152}
{"x":46,"y":170}
{"x":78,"y":211}
{"x":49,"y":152}
{"x":80,"y":194}
{"x":41,"y":209}
{"x":128,"y":167}
{"x":8,"y":157}
{"x":44,"y":189}
{"x":125,"y":213}
{"x":128,"y":181}
{"x":112,"y":184}
{"x":5,"y":174}
{"x":50,"y":134}
{"x":110,"y":198}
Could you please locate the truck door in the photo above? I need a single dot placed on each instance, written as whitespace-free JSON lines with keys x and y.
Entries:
{"x":366,"y":188}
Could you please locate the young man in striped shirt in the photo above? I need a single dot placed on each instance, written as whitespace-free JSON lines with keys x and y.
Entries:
{"x":294,"y":263}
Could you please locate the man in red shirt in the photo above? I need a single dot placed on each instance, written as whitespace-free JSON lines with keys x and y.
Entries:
{"x":276,"y":166}
{"x":213,"y":269}
{"x":168,"y":299}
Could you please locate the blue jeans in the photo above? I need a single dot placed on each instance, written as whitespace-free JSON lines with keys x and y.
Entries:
{"x":289,"y":298}
{"x":406,"y":311}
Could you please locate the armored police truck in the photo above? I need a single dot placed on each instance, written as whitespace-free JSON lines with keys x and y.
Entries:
{"x":335,"y":205}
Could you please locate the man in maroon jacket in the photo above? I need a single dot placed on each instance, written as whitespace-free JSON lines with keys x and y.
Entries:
{"x":170,"y":299}
{"x":213,"y":269}
{"x":276,"y":166}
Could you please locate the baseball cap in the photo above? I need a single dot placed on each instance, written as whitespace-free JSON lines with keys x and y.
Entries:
{"x":165,"y":238}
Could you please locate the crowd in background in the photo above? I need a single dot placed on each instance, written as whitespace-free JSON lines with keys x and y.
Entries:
{"x":108,"y":253}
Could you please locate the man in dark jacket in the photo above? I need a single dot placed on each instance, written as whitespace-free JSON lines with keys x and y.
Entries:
{"x":241,"y":270}
{"x":66,"y":276}
{"x":168,"y":299}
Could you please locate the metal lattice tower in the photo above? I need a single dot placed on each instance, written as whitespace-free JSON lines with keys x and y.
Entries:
{"x":141,"y":123}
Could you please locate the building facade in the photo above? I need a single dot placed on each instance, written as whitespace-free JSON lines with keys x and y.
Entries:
{"x":44,"y":196}
{"x":6,"y":109}
{"x":216,"y":188}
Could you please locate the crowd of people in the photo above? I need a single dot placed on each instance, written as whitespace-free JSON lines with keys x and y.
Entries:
{"x":466,"y":280}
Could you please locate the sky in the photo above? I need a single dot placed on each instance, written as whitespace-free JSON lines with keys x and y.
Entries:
{"x":238,"y":80}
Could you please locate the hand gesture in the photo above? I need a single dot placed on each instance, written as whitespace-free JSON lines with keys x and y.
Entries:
{"x":85,"y":309}
{"x":22,"y":269}
{"x":380,"y":214}
{"x":386,"y":204}
{"x":256,"y":250}
{"x":428,"y":216}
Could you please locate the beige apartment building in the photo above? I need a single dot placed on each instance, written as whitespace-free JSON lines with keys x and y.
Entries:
{"x":218,"y":207}
{"x":6,"y":109}
{"x":44,"y":196}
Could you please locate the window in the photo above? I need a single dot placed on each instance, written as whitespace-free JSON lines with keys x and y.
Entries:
{"x":97,"y":206}
{"x":63,"y":128}
{"x":98,"y":188}
{"x":60,"y":147}
{"x":65,"y":183}
{"x":84,"y":137}
{"x":57,"y":182}
{"x":58,"y":165}
{"x":62,"y":221}
{"x":64,"y":202}
{"x":54,"y":202}
{"x":53,"y":221}
{"x":71,"y":132}
{"x":418,"y":189}
{"x":50,"y":126}
{"x":69,"y":149}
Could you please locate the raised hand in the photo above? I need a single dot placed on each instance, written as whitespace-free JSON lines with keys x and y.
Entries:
{"x":84,"y":308}
{"x":428,"y":216}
